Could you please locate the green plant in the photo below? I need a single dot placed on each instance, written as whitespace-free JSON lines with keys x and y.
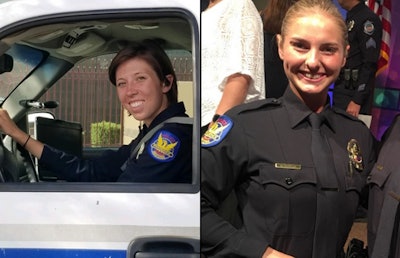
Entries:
{"x":105,"y":133}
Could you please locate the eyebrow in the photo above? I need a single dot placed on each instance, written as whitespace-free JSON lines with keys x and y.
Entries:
{"x":305,"y":40}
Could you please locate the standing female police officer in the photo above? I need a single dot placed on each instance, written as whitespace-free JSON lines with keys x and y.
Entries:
{"x":147,"y":88}
{"x":288,"y":204}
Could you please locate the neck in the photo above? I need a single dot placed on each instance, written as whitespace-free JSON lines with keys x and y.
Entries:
{"x":315,"y":102}
{"x":350,"y":5}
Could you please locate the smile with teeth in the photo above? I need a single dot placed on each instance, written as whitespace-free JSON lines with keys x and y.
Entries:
{"x":136,"y":103}
{"x":312,"y":76}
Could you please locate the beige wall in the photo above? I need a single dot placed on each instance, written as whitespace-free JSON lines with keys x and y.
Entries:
{"x":130,"y":125}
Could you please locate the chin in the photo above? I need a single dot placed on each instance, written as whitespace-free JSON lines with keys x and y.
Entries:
{"x":137,"y":116}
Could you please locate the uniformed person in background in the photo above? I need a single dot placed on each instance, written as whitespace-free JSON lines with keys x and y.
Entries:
{"x":353,"y":91}
{"x":384,"y":197}
{"x":292,"y":201}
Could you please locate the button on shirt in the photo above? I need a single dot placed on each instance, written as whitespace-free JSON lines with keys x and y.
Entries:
{"x":266,"y":159}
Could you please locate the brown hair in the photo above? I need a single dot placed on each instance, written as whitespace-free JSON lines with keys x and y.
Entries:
{"x":155,"y":56}
{"x":304,"y":7}
{"x":273,"y":14}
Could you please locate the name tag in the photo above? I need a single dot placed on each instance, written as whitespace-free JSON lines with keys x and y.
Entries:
{"x":288,"y":166}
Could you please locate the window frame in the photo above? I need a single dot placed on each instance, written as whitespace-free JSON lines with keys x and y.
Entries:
{"x":115,"y":187}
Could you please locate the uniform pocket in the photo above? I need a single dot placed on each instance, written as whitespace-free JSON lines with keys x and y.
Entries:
{"x":355,"y":182}
{"x":285,"y":199}
{"x":286,"y":175}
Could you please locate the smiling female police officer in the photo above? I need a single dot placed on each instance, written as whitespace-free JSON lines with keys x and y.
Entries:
{"x":289,"y":204}
{"x":146,"y":85}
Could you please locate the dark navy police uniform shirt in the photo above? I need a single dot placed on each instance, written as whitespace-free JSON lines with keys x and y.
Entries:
{"x":166,"y":156}
{"x":261,"y":150}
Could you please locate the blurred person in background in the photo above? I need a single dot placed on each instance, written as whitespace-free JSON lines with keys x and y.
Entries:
{"x":232,"y":63}
{"x":354,"y":89}
{"x":272,"y":15}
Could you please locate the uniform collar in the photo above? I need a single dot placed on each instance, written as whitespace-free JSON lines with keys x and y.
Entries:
{"x":355,"y":9}
{"x":177,"y":109}
{"x":298,"y":112}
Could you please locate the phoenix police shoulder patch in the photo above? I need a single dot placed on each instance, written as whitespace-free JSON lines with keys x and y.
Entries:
{"x":163,"y":146}
{"x":216,"y":132}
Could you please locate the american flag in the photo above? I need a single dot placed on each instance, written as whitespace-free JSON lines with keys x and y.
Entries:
{"x":383,"y":9}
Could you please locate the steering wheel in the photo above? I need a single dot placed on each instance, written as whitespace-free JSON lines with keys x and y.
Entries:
{"x":4,"y":169}
{"x":11,"y":169}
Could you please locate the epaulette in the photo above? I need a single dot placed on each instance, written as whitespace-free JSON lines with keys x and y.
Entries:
{"x":345,"y":114}
{"x":255,"y":105}
{"x":219,"y":129}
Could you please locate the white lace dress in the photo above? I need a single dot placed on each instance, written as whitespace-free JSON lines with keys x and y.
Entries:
{"x":231,"y":42}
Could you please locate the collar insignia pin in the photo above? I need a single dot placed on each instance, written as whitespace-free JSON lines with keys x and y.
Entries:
{"x":355,"y":156}
{"x":350,"y":25}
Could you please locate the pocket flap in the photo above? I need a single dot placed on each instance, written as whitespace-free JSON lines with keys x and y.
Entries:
{"x":286,"y":175}
{"x":378,"y":175}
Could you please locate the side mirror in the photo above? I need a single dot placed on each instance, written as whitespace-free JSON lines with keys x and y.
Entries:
{"x":6,"y":63}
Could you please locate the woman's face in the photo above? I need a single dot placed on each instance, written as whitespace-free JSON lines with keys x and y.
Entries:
{"x":140,"y":90}
{"x":313,"y":53}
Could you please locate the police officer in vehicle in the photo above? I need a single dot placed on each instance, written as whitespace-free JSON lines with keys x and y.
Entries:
{"x":146,"y":85}
{"x":297,"y":182}
{"x":353,"y":91}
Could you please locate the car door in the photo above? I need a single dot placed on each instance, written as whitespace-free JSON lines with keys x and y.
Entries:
{"x":45,"y":216}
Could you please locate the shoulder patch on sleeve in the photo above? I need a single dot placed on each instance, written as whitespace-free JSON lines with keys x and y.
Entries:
{"x":369,"y":28}
{"x":371,"y":43}
{"x":163,"y":146}
{"x":216,"y":132}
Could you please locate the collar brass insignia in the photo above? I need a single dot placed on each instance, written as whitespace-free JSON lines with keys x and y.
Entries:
{"x":350,"y":25}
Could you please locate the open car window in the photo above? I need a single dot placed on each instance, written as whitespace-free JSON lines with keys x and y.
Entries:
{"x":64,"y":59}
{"x":54,"y":58}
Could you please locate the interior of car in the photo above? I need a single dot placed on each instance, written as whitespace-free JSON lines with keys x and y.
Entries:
{"x":36,"y":55}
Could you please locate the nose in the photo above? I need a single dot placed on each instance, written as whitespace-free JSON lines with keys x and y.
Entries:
{"x":132,"y":89}
{"x":312,"y":60}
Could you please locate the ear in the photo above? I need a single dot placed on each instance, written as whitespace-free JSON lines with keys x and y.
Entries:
{"x":279,"y":42}
{"x":167,"y":84}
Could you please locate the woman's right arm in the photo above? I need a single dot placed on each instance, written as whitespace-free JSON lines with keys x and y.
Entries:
{"x":8,"y":127}
{"x":221,"y":166}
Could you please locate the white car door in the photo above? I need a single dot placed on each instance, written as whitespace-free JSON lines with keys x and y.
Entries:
{"x":45,"y":218}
